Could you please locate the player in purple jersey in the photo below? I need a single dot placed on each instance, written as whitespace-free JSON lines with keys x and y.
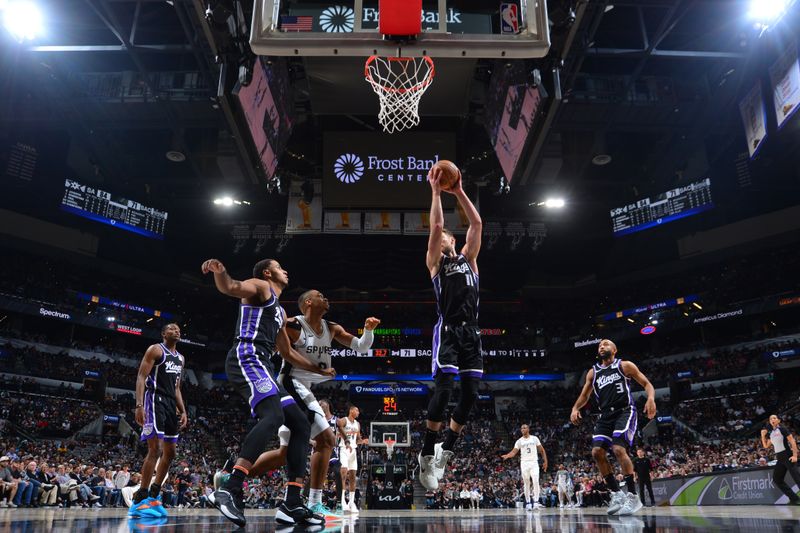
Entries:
{"x":456,"y":335}
{"x":260,"y":331}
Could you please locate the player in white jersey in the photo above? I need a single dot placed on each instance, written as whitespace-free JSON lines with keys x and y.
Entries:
{"x":529,"y":447}
{"x":349,"y":439}
{"x":312,"y":336}
{"x":563,"y":483}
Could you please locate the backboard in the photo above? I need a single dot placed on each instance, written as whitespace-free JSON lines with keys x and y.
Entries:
{"x":450,"y":28}
{"x":379,"y":431}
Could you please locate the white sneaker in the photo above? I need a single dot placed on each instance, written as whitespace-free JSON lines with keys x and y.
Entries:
{"x":560,"y":505}
{"x":427,"y":476}
{"x":528,"y":507}
{"x":537,"y":505}
{"x":632,"y":504}
{"x":618,"y":499}
{"x":441,"y":457}
{"x":352,"y":508}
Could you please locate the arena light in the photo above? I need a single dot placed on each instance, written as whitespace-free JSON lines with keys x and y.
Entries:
{"x":550,"y":203}
{"x":227,"y":201}
{"x":648,"y":330}
{"x":697,"y":305}
{"x":22,"y":19}
{"x":767,"y":13}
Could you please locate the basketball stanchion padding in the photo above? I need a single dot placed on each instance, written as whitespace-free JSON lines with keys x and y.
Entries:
{"x":400,"y":18}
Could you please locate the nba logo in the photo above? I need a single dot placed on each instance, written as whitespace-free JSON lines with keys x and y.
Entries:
{"x":509,"y":19}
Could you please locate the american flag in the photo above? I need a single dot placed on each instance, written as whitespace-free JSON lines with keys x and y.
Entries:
{"x":291,"y":23}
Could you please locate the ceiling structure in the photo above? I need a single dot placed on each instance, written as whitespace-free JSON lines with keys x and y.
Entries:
{"x":653,"y":84}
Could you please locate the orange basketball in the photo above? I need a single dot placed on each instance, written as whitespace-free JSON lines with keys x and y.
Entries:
{"x":450,"y":175}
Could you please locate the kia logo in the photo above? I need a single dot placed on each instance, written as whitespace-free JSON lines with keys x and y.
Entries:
{"x":348,"y":168}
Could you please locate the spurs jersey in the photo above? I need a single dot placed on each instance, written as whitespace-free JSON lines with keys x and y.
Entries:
{"x":163,"y":377}
{"x":528,"y":449}
{"x":258,"y":327}
{"x":562,"y":478}
{"x":353,"y":431}
{"x":612,"y":388}
{"x":315,"y":347}
{"x":456,"y":289}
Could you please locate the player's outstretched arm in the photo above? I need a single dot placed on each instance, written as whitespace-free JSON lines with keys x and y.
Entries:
{"x":151,"y":357}
{"x":583,"y":398}
{"x":227,"y":285}
{"x":632,"y":371}
{"x":436,"y":220}
{"x":510,"y":454}
{"x":475,"y":231}
{"x":360,"y":344}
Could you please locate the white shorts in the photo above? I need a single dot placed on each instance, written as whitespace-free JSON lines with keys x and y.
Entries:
{"x":299,"y":391}
{"x":530,"y":470}
{"x":348,"y":460}
{"x":563,"y":488}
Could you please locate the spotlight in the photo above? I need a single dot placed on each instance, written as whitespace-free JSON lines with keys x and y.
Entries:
{"x":767,"y":13}
{"x":550,"y":203}
{"x":23,"y":20}
{"x":697,"y":305}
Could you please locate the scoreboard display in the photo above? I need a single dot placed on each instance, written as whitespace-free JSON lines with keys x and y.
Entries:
{"x":668,"y":206}
{"x":101,"y":206}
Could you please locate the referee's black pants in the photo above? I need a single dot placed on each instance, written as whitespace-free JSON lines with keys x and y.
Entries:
{"x":645,"y":482}
{"x":782,"y":466}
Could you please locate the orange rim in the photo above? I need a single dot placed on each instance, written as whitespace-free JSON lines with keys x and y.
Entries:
{"x":420,"y":86}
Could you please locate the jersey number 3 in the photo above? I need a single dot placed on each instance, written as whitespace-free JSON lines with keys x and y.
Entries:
{"x":620,"y":387}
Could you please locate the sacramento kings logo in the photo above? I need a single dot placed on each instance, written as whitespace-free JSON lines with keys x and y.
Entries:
{"x":147,"y":429}
{"x":337,"y":19}
{"x":348,"y":168}
{"x":264,"y":385}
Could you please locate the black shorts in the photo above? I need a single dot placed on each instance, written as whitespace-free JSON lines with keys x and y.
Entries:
{"x":457,"y":350}
{"x":160,"y":417}
{"x":617,"y":426}
{"x":252,"y":375}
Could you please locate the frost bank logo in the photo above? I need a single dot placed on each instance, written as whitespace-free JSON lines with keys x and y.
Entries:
{"x":348,"y":168}
{"x":337,"y":19}
{"x":724,"y":492}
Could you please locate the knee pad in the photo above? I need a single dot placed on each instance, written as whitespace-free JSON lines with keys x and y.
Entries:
{"x":441,"y":395}
{"x":469,"y":395}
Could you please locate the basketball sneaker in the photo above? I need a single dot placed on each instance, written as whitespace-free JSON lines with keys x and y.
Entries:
{"x":158,"y":506}
{"x":632,"y":504}
{"x":322,"y":509}
{"x":528,"y":507}
{"x":441,"y":457}
{"x":230,"y":505}
{"x":143,"y":509}
{"x":299,"y":515}
{"x":618,"y":499}
{"x":427,"y":476}
{"x":353,"y":508}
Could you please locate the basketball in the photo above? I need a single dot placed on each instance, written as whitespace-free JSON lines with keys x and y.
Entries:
{"x":450,"y":175}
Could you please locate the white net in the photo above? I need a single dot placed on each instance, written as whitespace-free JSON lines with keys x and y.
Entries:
{"x":399,"y":83}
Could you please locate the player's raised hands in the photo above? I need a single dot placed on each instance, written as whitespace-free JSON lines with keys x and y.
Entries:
{"x":213,"y":265}
{"x":371,"y":323}
{"x":434,"y":178}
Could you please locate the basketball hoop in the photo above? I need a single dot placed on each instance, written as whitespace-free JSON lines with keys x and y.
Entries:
{"x":389,"y":447}
{"x":399,"y":83}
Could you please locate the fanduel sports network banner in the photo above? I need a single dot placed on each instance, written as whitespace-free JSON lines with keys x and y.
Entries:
{"x":373,"y":170}
{"x":383,"y":389}
{"x":744,"y":487}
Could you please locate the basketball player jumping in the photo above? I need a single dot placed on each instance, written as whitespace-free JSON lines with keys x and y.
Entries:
{"x":456,"y":336}
{"x":350,"y":438}
{"x":610,"y":379}
{"x":529,"y":447}
{"x":312,"y":336}
{"x":260,"y":331}
{"x":161,"y":413}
